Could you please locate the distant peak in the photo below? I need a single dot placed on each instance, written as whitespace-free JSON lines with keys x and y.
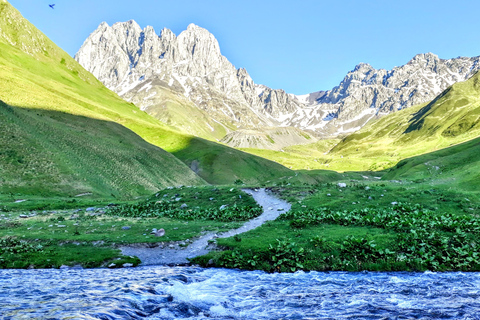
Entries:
{"x":127,"y":24}
{"x":193,"y":26}
{"x":149,"y":30}
{"x":426,"y":56}
{"x":167,"y":34}
{"x":166,"y":31}
{"x":362,"y":66}
{"x":103,"y":25}
{"x":242,"y":72}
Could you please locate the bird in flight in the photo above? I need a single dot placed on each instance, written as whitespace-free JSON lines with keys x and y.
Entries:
{"x":52,"y":6}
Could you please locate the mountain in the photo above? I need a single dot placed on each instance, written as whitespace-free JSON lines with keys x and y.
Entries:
{"x":64,"y":133}
{"x":166,"y":72}
{"x":366,"y":93}
{"x":186,"y":82}
{"x":453,"y":117}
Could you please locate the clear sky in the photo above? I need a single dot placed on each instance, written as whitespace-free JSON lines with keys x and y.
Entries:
{"x":300,"y":46}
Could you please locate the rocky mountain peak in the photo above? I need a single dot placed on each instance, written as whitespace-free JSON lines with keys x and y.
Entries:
{"x":425,"y":60}
{"x":244,"y":77}
{"x":425,"y":57}
{"x":362,"y":67}
{"x":198,"y":43}
{"x":193,"y":26}
{"x":167,"y":34}
{"x":103,"y":25}
{"x":128,"y":60}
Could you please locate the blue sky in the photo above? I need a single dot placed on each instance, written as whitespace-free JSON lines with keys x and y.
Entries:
{"x":299,"y":46}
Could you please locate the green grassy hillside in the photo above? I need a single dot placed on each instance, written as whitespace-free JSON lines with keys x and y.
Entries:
{"x":452,"y":118}
{"x":308,"y":157}
{"x":53,"y":153}
{"x":182,"y":114}
{"x":59,"y":137}
{"x":457,"y":167}
{"x":68,"y":134}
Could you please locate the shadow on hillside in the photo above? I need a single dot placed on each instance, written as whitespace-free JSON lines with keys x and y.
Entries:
{"x":220,"y":164}
{"x":52,"y":153}
{"x":418,"y":119}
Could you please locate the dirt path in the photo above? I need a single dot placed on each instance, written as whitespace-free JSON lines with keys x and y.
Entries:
{"x":272,"y":208}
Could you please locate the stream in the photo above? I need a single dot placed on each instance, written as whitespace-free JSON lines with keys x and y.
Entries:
{"x":161,"y":292}
{"x":272,"y":208}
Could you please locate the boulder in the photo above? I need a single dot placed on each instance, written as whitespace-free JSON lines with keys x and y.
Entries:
{"x":211,"y":263}
{"x":342,"y":185}
{"x":160,"y":233}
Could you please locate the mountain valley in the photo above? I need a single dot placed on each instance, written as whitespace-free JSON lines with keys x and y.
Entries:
{"x":142,"y":132}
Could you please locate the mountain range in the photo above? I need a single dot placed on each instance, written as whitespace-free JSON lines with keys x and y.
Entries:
{"x":186,"y":82}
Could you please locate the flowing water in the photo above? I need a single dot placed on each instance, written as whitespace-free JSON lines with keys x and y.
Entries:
{"x":188,"y":292}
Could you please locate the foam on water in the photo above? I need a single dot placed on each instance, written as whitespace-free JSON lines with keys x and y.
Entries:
{"x":196,"y":293}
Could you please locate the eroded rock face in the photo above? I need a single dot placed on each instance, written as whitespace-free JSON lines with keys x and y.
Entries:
{"x":147,"y":69}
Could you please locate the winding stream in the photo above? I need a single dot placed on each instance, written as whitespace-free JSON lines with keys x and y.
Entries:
{"x":272,"y":208}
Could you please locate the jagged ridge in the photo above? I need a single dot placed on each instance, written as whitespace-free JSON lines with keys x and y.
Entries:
{"x":130,"y":60}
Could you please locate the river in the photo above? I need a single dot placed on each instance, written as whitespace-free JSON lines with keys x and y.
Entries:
{"x":156,"y":292}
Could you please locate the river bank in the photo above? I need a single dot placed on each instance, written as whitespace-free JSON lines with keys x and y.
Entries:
{"x":344,"y":226}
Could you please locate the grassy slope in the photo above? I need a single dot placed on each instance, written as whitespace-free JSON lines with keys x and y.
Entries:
{"x":309,"y":156}
{"x":181,"y":113}
{"x":48,"y":89}
{"x":456,"y":166}
{"x":452,"y":118}
{"x":60,"y":138}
